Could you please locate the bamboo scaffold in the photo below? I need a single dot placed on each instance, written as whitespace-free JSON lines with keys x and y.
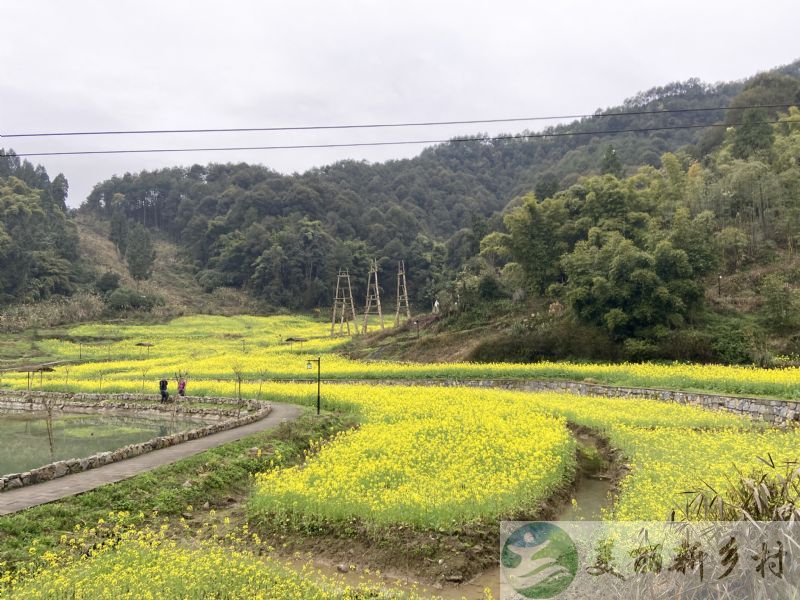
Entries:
{"x":373,"y":303}
{"x":402,"y":294}
{"x":344,"y":309}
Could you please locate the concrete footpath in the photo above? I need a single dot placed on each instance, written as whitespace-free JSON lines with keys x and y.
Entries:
{"x":69,"y":485}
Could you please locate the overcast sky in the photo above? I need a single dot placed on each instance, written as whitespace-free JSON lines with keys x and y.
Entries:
{"x":143,"y":64}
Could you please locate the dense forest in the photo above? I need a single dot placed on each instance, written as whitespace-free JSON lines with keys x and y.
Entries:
{"x":619,"y":231}
{"x":38,"y":242}
{"x":284,"y":237}
{"x":631,"y":256}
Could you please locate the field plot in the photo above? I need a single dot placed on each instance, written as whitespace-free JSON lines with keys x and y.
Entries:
{"x":434,"y":456}
{"x":215,"y":351}
{"x":144,"y":562}
{"x":671,"y":449}
{"x":426,"y":458}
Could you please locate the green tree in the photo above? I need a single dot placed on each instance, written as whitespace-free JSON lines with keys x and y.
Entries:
{"x":532,"y":241}
{"x":754,"y":134}
{"x":632,"y":293}
{"x":140,"y":254}
{"x":696,"y":238}
{"x":611,"y":164}
{"x":751,"y":197}
{"x":59,"y":190}
{"x":494,"y":247}
{"x":547,"y":186}
{"x":119,"y":228}
{"x":38,"y":243}
{"x":781,"y":309}
{"x":732,"y":243}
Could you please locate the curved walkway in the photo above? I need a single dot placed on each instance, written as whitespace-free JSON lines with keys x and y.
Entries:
{"x":69,"y":485}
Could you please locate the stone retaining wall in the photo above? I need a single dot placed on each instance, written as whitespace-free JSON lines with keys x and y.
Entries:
{"x":138,"y":402}
{"x":42,"y":400}
{"x":776,"y":412}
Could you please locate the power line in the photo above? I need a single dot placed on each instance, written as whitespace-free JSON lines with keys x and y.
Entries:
{"x":382,"y":125}
{"x":387,"y":143}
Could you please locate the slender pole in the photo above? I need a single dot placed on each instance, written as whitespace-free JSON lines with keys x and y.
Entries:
{"x":319,"y":372}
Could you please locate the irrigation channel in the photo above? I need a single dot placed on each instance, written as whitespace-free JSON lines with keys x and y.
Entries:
{"x":588,"y":499}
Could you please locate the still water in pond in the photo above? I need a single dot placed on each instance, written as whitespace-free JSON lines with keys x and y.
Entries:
{"x":27,"y":440}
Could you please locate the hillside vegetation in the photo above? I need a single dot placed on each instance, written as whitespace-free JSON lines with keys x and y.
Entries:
{"x":677,"y":240}
{"x":172,"y":289}
{"x":172,"y":280}
{"x":283,"y":237}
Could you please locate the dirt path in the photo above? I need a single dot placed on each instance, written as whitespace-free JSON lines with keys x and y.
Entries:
{"x":48,"y":491}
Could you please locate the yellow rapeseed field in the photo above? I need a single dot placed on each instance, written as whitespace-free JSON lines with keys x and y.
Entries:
{"x":145,"y":562}
{"x":216,"y":348}
{"x":473,"y":438}
{"x":426,"y":456}
{"x":671,"y":449}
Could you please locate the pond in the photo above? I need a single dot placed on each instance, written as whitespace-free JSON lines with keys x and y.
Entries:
{"x":28,"y":441}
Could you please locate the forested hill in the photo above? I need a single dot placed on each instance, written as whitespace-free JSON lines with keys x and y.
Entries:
{"x":284,"y":236}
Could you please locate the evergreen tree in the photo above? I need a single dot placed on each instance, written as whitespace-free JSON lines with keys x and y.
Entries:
{"x":140,"y":254}
{"x":611,"y":163}
{"x":38,"y":243}
{"x":547,"y":186}
{"x":119,"y":229}
{"x":754,"y":134}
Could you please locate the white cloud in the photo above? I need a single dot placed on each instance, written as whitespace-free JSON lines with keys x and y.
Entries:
{"x":178,"y":64}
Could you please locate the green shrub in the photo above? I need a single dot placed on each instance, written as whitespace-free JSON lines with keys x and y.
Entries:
{"x":738,"y":343}
{"x":128,"y":299}
{"x":210,"y":280}
{"x":489,"y":288}
{"x":781,"y":309}
{"x":107,"y":282}
{"x":688,"y":345}
{"x":637,"y":350}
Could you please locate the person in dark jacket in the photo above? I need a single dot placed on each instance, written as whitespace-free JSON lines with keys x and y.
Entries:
{"x":162,"y":385}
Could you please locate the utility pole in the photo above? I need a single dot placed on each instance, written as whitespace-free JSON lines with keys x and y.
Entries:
{"x":344,"y":308}
{"x":402,"y":293}
{"x":373,"y":304}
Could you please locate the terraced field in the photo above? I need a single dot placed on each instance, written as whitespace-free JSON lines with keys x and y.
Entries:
{"x":424,"y":457}
{"x":214,"y":350}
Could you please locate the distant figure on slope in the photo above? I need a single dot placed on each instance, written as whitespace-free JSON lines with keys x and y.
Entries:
{"x":181,"y":387}
{"x":162,"y":385}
